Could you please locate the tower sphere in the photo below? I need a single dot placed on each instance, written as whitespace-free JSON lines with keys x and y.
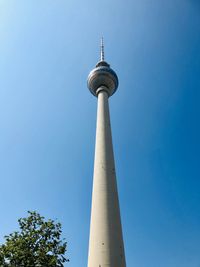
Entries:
{"x":102,"y":76}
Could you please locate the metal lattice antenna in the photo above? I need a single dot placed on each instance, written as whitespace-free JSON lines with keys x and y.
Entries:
{"x":102,"y":49}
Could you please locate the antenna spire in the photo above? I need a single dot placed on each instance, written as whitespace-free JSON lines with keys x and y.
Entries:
{"x":102,"y":49}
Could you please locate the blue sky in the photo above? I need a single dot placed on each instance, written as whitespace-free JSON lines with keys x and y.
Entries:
{"x":48,"y":116}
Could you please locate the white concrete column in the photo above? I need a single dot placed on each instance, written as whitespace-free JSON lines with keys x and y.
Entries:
{"x":106,"y":247}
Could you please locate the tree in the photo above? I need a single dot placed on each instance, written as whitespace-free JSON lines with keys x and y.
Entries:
{"x":37,"y":244}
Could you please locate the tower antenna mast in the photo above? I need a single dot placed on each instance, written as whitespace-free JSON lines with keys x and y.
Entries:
{"x":102,"y":49}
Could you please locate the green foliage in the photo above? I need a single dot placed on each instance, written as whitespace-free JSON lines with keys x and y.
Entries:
{"x":37,"y":244}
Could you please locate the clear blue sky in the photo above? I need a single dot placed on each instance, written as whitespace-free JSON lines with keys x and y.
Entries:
{"x":48,"y":116}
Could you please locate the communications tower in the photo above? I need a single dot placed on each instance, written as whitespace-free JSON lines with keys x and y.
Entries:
{"x":106,"y":248}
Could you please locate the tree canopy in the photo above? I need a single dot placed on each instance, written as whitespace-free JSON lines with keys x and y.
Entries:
{"x":38,"y":243}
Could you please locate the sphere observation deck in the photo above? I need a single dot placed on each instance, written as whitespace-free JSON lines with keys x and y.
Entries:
{"x":102,"y":76}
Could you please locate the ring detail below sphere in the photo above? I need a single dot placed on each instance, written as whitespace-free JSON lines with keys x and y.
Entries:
{"x":102,"y":76}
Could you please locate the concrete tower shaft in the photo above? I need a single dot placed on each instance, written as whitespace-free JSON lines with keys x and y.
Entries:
{"x":106,"y":248}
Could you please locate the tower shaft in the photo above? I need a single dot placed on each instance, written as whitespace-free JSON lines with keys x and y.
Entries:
{"x":106,"y":247}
